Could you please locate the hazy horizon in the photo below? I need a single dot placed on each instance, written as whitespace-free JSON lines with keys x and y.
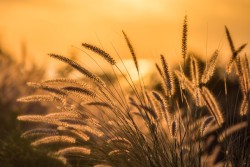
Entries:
{"x":154,"y":26}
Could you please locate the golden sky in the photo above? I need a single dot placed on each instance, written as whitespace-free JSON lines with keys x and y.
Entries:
{"x":154,"y":26}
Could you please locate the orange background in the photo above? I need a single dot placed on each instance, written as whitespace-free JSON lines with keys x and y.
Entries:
{"x":154,"y":26}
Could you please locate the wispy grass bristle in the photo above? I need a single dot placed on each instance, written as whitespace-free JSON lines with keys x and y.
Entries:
{"x":102,"y":165}
{"x":117,"y":152}
{"x":208,"y":72}
{"x":36,"y":98}
{"x":80,"y":91}
{"x":213,"y":106}
{"x":54,"y":139}
{"x":195,"y":71}
{"x":40,"y":119}
{"x":173,"y":131}
{"x":65,"y":114}
{"x":205,"y":123}
{"x":150,"y":110}
{"x":168,"y":79}
{"x":48,"y":88}
{"x":38,"y":132}
{"x":198,"y":97}
{"x":66,"y":81}
{"x":235,"y":52}
{"x":119,"y":140}
{"x":244,"y":106}
{"x":131,"y":49}
{"x":229,"y":38}
{"x":240,"y":49}
{"x":101,"y":52}
{"x":100,"y":104}
{"x":159,"y":69}
{"x":163,"y":105}
{"x":74,"y":150}
{"x":184,"y":38}
{"x":78,"y":68}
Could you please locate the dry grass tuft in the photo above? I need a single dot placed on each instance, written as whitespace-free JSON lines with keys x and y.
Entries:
{"x":188,"y":126}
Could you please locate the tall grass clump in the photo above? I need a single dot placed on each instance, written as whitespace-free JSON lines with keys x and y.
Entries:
{"x":185,"y":123}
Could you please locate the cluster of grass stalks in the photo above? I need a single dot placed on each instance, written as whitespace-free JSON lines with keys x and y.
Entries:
{"x":98,"y":123}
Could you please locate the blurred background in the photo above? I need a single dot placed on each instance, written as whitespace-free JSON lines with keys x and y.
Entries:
{"x":154,"y":26}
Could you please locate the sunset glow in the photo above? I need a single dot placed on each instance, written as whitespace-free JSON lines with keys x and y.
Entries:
{"x":154,"y":26}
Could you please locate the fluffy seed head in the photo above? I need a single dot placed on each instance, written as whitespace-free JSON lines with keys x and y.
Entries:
{"x":116,"y":152}
{"x":74,"y":150}
{"x":205,"y":123}
{"x":80,"y":90}
{"x":184,"y":38}
{"x":101,"y":52}
{"x":78,"y":68}
{"x":173,"y":130}
{"x":53,"y":139}
{"x":130,"y":46}
{"x":208,"y":72}
{"x":167,"y":77}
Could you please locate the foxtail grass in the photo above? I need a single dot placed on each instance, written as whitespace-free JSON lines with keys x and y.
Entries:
{"x":182,"y":125}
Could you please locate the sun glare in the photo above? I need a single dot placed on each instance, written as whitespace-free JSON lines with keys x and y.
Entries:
{"x":146,"y":68}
